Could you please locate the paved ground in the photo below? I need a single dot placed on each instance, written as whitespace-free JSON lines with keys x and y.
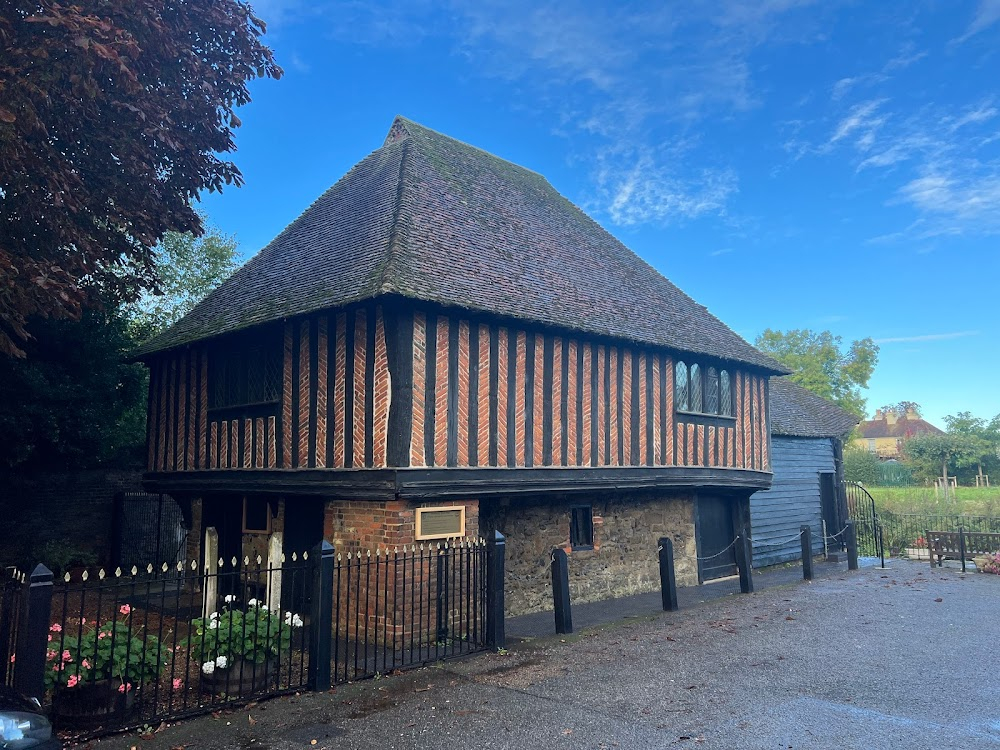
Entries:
{"x":843,"y":662}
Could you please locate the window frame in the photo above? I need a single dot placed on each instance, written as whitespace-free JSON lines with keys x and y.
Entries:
{"x":234,"y":361}
{"x":267,"y":514}
{"x":701,"y":371}
{"x":587,"y":528}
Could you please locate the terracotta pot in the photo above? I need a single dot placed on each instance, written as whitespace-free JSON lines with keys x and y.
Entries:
{"x":92,"y":704}
{"x":242,"y":677}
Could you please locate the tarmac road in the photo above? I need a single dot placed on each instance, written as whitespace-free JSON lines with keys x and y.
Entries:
{"x":897,"y":658}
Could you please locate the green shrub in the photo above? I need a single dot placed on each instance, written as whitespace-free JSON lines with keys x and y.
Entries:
{"x":861,"y":466}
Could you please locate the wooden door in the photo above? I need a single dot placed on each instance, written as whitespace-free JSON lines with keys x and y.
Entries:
{"x":715,"y":534}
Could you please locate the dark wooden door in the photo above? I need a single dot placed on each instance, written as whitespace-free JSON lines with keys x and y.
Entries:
{"x":715,"y":532}
{"x":303,"y":531}
{"x":828,"y":502}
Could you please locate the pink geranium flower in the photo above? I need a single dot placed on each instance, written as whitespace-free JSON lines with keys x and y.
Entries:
{"x":73,"y":679}
{"x":67,"y":656}
{"x":178,"y":682}
{"x":125,"y":609}
{"x":126,"y":686}
{"x":85,"y":663}
{"x":56,"y":627}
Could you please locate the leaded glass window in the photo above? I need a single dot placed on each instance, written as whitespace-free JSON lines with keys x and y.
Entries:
{"x":725,"y":395}
{"x":696,"y":392}
{"x":712,"y":391}
{"x":681,"y":387}
{"x":245,"y":375}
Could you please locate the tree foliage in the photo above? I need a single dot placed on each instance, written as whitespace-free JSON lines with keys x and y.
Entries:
{"x":861,"y":465}
{"x":113,"y":117}
{"x":819,"y":362}
{"x":902,"y":408}
{"x":937,"y":455}
{"x":189,"y":268}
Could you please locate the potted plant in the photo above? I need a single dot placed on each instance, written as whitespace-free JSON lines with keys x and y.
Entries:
{"x":989,"y":563}
{"x":919,"y":550}
{"x":239,"y":650}
{"x":96,"y":672}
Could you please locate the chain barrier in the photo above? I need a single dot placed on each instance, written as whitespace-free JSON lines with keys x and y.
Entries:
{"x":720,"y":552}
{"x":837,"y":535}
{"x":776,"y":545}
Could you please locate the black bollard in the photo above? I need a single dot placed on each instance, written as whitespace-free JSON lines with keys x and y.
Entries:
{"x":560,"y":591}
{"x":668,"y":582}
{"x":743,"y":561}
{"x":852,"y":546}
{"x":807,"y":556}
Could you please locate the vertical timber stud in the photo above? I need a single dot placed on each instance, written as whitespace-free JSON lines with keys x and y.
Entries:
{"x":852,"y":545}
{"x":29,"y":671}
{"x":322,"y":617}
{"x":560,"y":591}
{"x":495,"y":551}
{"x":743,"y":560}
{"x":807,"y":558}
{"x":668,"y":582}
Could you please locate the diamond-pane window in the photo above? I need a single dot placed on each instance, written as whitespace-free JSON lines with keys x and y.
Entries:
{"x":711,"y":391}
{"x":696,"y":404}
{"x":725,"y":395}
{"x":681,"y":387}
{"x":245,"y":375}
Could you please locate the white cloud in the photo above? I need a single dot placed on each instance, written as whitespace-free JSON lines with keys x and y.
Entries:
{"x":861,"y":122}
{"x":987,"y":14}
{"x":926,"y":337}
{"x":721,"y":251}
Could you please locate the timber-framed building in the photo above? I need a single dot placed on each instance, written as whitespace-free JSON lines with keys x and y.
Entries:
{"x":443,"y":345}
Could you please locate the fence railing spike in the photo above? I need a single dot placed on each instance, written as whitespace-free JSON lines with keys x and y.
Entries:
{"x":66,"y":577}
{"x":246,"y":560}
{"x":194,"y":565}
{"x":305,"y":555}
{"x":85,"y":575}
{"x":259,"y":559}
{"x":149,"y":568}
{"x":118,"y":572}
{"x":135,"y":571}
{"x":236,"y":562}
{"x":180,"y":566}
{"x":101,"y":574}
{"x":283,"y":557}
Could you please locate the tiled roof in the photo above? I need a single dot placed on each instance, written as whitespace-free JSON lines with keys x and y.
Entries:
{"x":798,"y":412}
{"x":433,"y":219}
{"x":905,"y":427}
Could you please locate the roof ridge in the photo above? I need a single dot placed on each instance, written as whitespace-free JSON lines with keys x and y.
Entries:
{"x":386,"y":281}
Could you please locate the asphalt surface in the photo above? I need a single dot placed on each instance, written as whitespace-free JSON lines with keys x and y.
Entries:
{"x":897,"y":658}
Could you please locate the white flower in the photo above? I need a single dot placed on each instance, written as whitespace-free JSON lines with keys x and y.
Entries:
{"x":214,"y":616}
{"x":293,"y":620}
{"x":230,"y":598}
{"x":262,"y":607}
{"x":221,"y":662}
{"x":297,"y":621}
{"x":252,"y":603}
{"x":208,"y":667}
{"x":213,"y":624}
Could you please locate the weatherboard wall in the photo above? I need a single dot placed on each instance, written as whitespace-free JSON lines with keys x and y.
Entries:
{"x":777,"y":514}
{"x":378,"y":386}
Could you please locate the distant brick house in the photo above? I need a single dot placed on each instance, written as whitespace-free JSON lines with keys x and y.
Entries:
{"x":807,"y":447}
{"x":885,"y":434}
{"x":443,"y":331}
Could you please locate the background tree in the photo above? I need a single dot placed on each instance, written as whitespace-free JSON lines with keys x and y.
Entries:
{"x":902,"y":408}
{"x":984,"y":437}
{"x":934,"y":454}
{"x":819,"y":363}
{"x":189,"y":267}
{"x":861,"y":465}
{"x":113,"y":115}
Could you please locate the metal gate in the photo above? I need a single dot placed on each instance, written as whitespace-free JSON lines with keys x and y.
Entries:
{"x":148,"y":529}
{"x":861,"y":510}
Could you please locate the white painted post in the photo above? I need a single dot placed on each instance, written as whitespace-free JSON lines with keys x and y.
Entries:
{"x":210,"y":601}
{"x":274,"y":572}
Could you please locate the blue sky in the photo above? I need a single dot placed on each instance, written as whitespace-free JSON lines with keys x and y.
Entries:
{"x":789,"y":164}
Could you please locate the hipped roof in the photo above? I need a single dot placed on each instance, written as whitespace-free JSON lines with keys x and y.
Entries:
{"x":798,"y":412}
{"x":432,"y":219}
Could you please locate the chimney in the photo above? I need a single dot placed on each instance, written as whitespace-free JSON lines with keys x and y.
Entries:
{"x":878,"y":415}
{"x":911,"y":413}
{"x":890,"y":418}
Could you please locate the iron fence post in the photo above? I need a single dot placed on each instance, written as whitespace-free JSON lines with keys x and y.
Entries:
{"x":29,"y":669}
{"x":961,"y":545}
{"x":668,"y":581}
{"x":321,"y":629}
{"x":807,"y":559}
{"x":743,"y":559}
{"x":852,"y":545}
{"x":495,"y":551}
{"x":9,"y":593}
{"x":560,"y":591}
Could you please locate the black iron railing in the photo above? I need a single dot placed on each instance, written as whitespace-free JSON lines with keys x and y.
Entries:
{"x":106,"y":651}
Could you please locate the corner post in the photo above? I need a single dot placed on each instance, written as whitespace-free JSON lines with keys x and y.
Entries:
{"x":560,"y":591}
{"x":495,"y":551}
{"x":807,"y":559}
{"x":961,"y":545}
{"x":852,"y":545}
{"x":668,"y":580}
{"x":321,"y":631}
{"x":29,"y":670}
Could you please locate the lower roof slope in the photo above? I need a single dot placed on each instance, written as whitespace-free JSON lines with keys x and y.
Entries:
{"x":798,"y":412}
{"x":433,"y":219}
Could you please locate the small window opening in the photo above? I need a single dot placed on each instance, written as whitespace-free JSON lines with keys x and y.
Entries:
{"x":581,"y":527}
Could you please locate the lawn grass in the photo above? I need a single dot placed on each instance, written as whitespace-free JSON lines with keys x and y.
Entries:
{"x":975,"y":501}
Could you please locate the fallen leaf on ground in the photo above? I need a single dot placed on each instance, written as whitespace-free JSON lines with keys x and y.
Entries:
{"x":939,"y":599}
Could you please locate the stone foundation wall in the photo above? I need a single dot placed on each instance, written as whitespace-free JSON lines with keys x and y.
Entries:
{"x":624,"y":558}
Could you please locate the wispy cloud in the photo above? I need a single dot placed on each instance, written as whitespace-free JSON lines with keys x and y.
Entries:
{"x":987,"y":14}
{"x":721,"y":251}
{"x":926,"y":337}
